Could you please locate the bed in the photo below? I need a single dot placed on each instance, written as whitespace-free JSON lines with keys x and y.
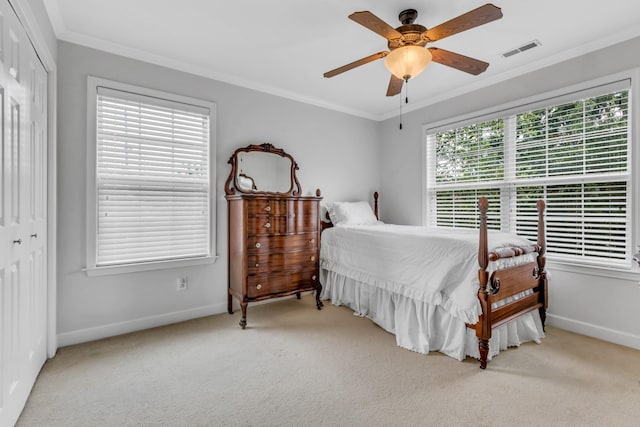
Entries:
{"x":434,"y":289}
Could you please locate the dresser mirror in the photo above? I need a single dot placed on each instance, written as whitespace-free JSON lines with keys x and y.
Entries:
{"x":262,"y":169}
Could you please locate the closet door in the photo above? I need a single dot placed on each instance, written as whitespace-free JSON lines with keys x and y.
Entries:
{"x":23,"y":232}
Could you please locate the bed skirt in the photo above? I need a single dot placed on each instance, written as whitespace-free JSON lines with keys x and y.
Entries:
{"x":423,"y":327}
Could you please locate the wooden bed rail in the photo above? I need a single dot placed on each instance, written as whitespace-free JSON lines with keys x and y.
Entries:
{"x":512,"y":280}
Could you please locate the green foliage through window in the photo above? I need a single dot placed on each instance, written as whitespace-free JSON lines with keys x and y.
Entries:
{"x":574,"y":155}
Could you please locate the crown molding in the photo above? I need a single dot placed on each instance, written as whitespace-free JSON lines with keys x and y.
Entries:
{"x":144,"y":56}
{"x":566,"y":55}
{"x":62,"y":33}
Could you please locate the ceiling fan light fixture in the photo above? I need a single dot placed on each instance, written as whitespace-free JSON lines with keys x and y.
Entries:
{"x":408,"y":61}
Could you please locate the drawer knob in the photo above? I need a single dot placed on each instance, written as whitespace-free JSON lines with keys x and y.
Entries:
{"x":268,"y":209}
{"x":258,"y":286}
{"x":258,"y":245}
{"x":312,"y":241}
{"x":257,"y":265}
{"x":267,"y":225}
{"x":313,"y":258}
{"x":313,"y":277}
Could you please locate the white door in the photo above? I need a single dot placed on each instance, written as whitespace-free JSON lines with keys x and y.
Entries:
{"x":23,"y":222}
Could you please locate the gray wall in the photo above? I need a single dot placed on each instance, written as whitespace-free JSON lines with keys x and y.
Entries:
{"x":336,"y":152}
{"x":347,"y":157}
{"x":598,"y":305}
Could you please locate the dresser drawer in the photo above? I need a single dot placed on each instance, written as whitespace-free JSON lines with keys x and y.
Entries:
{"x":267,"y":206}
{"x":266,"y":224}
{"x":287,"y":243}
{"x":264,"y":284}
{"x":303,"y":216}
{"x":291,"y":216}
{"x":290,"y":261}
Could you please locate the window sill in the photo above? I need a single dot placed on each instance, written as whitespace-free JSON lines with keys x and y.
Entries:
{"x":630,"y":274}
{"x":148,"y":266}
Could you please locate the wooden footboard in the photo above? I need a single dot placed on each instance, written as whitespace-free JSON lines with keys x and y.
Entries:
{"x":507,"y":282}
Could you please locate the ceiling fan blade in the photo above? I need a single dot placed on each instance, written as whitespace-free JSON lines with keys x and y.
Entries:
{"x":375,"y":24}
{"x":457,"y":61}
{"x":395,"y":86}
{"x":355,"y":64}
{"x":474,"y":18}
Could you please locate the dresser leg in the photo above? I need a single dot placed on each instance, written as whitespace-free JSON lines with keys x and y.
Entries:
{"x":319,"y":303}
{"x":229,"y":303}
{"x":243,"y":319}
{"x":298,"y":295}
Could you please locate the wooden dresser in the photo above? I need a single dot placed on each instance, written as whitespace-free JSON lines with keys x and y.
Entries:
{"x":274,"y":238}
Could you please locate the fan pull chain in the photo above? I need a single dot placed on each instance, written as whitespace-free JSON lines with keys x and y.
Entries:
{"x":406,"y":91}
{"x":406,"y":97}
{"x":400,"y":97}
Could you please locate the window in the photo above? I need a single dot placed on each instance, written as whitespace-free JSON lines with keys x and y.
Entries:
{"x":150,"y":194}
{"x":574,"y":152}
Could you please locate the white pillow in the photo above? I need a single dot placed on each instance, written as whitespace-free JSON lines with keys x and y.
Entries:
{"x":351,"y":213}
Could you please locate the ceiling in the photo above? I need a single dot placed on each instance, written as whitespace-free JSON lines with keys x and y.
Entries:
{"x":283,"y":47}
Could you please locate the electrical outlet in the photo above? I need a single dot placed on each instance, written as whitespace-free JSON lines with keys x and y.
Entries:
{"x":182,"y":283}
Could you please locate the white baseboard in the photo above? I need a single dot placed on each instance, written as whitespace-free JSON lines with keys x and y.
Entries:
{"x":617,"y":337}
{"x":113,"y":329}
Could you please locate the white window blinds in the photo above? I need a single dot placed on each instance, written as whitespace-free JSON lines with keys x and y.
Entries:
{"x":573,"y":153}
{"x":152,"y":179}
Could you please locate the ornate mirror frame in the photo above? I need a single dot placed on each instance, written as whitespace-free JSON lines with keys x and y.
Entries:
{"x":232,"y":185}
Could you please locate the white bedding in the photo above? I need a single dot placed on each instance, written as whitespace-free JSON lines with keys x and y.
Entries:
{"x":418,"y":283}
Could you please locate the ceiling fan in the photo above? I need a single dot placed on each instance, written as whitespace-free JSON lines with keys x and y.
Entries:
{"x":406,"y":44}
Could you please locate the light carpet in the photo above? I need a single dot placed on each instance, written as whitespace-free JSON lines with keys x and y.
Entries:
{"x":297,"y":366}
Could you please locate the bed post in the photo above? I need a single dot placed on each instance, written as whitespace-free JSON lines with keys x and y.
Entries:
{"x":541,"y":260}
{"x":375,"y":204}
{"x":483,"y":327}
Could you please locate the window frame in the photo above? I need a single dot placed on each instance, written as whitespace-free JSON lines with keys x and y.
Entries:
{"x":91,"y":268}
{"x":558,"y":96}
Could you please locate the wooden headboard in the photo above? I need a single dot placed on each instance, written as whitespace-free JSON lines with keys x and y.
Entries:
{"x":328,"y":224}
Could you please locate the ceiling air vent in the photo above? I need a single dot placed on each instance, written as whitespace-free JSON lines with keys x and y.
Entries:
{"x":521,"y":49}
